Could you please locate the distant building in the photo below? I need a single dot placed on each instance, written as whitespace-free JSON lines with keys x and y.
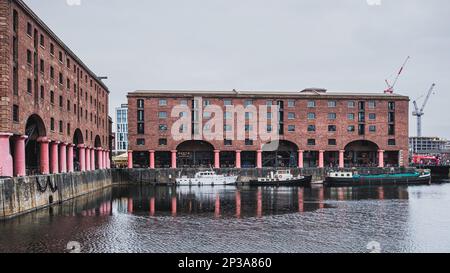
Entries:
{"x":428,"y":145}
{"x":121,"y":139}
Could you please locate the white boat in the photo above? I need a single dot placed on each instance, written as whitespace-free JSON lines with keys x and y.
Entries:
{"x":282,"y":178}
{"x":209,"y":178}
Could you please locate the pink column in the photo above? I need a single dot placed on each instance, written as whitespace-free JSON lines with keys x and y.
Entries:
{"x":82,"y":155}
{"x":99,"y":158}
{"x":6,"y":163}
{"x":217,"y":159}
{"x":92,"y":155}
{"x":130,"y":159}
{"x":63,"y":158}
{"x":105,"y":160}
{"x":70,"y":158}
{"x":238,"y":159}
{"x":152,"y":159}
{"x":44,"y":162}
{"x":54,"y":166}
{"x":108,"y":162}
{"x":19,"y":156}
{"x":341,"y":159}
{"x":381,"y":158}
{"x":87,"y":152}
{"x":174,"y":159}
{"x":300,"y":159}
{"x":259,"y":159}
{"x":321,"y":159}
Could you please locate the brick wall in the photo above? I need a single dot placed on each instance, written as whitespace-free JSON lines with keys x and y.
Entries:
{"x":5,"y":62}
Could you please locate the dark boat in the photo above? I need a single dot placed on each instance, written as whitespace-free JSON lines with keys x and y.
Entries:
{"x":337,"y":179}
{"x":282,"y":178}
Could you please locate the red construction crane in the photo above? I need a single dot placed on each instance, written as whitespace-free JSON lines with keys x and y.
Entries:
{"x":391,"y":87}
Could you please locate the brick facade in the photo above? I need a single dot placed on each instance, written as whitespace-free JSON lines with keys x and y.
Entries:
{"x":43,"y":80}
{"x":299,"y":137}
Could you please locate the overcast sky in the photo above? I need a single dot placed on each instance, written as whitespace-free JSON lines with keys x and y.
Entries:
{"x":340,"y":45}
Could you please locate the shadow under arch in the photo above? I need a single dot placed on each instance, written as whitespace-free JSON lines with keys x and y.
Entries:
{"x":34,"y":129}
{"x":194,"y":154}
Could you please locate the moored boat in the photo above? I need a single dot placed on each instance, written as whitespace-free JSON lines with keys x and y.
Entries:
{"x":420,"y":177}
{"x":209,"y":178}
{"x":282,"y":178}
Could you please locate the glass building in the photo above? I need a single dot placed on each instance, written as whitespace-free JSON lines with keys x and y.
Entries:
{"x":121,"y":129}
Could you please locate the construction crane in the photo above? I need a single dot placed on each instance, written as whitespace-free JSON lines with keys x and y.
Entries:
{"x":391,"y":87}
{"x":419,"y":112}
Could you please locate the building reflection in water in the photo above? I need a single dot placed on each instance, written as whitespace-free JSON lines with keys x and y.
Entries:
{"x":241,"y":202}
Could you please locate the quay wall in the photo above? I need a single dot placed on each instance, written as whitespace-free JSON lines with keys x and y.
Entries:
{"x":168,"y":176}
{"x":21,"y":195}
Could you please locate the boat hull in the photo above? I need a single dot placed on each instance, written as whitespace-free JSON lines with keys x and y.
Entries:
{"x":219,"y":181}
{"x":303,"y":182}
{"x":373,"y":181}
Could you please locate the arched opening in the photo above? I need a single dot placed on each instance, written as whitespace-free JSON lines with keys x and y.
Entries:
{"x":280,"y":154}
{"x":195,"y":153}
{"x":361,"y":153}
{"x":77,"y":140}
{"x":34,"y":129}
{"x":97,"y":144}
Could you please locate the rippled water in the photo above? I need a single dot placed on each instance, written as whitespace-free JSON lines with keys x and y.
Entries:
{"x":226,"y":219}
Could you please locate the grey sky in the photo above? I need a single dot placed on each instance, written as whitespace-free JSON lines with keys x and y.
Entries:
{"x":341,"y":45}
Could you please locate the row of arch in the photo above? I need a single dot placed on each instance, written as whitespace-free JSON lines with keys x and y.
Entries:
{"x":34,"y":153}
{"x":196,"y":153}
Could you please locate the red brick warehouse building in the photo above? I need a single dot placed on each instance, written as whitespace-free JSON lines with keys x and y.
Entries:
{"x":53,"y":109}
{"x":316,"y":129}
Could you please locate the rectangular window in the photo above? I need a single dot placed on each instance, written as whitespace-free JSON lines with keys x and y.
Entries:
{"x":311,"y":116}
{"x":29,"y":86}
{"x":361,"y":106}
{"x":68,"y":129}
{"x":269,"y":115}
{"x":248,"y":103}
{"x":184,"y":102}
{"x":351,"y":116}
{"x":29,"y":29}
{"x":372,"y":128}
{"x":29,"y":57}
{"x":332,"y":104}
{"x":311,"y":128}
{"x":372,"y":104}
{"x":372,"y":116}
{"x":162,"y":102}
{"x":42,"y":40}
{"x":248,"y":115}
{"x":42,"y":68}
{"x":163,"y":128}
{"x":311,"y":104}
{"x":15,"y":20}
{"x":291,"y":128}
{"x":332,"y":142}
{"x":60,"y":57}
{"x":162,"y":115}
{"x":52,"y":72}
{"x":362,"y":117}
{"x":269,"y":128}
{"x":207,"y":115}
{"x":248,"y":128}
{"x":391,"y":129}
{"x":206,"y":102}
{"x":61,"y":126}
{"x":140,"y":142}
{"x":392,"y":142}
{"x":227,"y":102}
{"x":391,"y":106}
{"x":351,"y":104}
{"x":331,"y":128}
{"x":60,"y":101}
{"x":140,"y":104}
{"x":42,"y":92}
{"x":140,"y":115}
{"x":141,"y":128}
{"x":15,"y":113}
{"x":249,"y":142}
{"x":228,"y":115}
{"x":227,"y":128}
{"x":52,"y":124}
{"x":391,"y":117}
{"x":52,"y":49}
{"x":61,"y":79}
{"x":269,"y":103}
{"x":162,"y":142}
{"x":332,"y":116}
{"x":351,"y":128}
{"x":361,"y":129}
{"x":311,"y":142}
{"x":291,"y":103}
{"x":291,"y":116}
{"x":227,"y":142}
